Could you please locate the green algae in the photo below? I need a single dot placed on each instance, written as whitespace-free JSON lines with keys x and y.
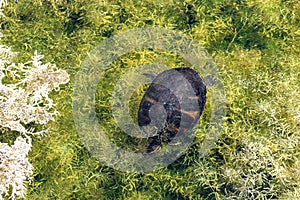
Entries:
{"x":256,"y":46}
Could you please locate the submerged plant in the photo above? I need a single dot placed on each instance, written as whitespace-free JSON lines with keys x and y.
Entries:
{"x":256,"y":47}
{"x":24,"y":100}
{"x":15,"y":168}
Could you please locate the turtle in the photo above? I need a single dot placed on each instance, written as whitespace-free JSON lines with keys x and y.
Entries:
{"x":171,"y":105}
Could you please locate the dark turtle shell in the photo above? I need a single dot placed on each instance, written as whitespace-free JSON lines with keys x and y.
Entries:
{"x":172,"y":104}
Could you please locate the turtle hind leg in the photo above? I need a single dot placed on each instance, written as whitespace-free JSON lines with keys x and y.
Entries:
{"x":155,"y":145}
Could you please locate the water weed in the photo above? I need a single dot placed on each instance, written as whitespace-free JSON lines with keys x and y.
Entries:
{"x":255,"y":44}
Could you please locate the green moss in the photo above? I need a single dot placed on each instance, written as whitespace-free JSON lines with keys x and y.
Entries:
{"x":254,"y":43}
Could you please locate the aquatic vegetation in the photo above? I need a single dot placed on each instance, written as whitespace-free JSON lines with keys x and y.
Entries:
{"x":254,"y":43}
{"x":24,"y":101}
